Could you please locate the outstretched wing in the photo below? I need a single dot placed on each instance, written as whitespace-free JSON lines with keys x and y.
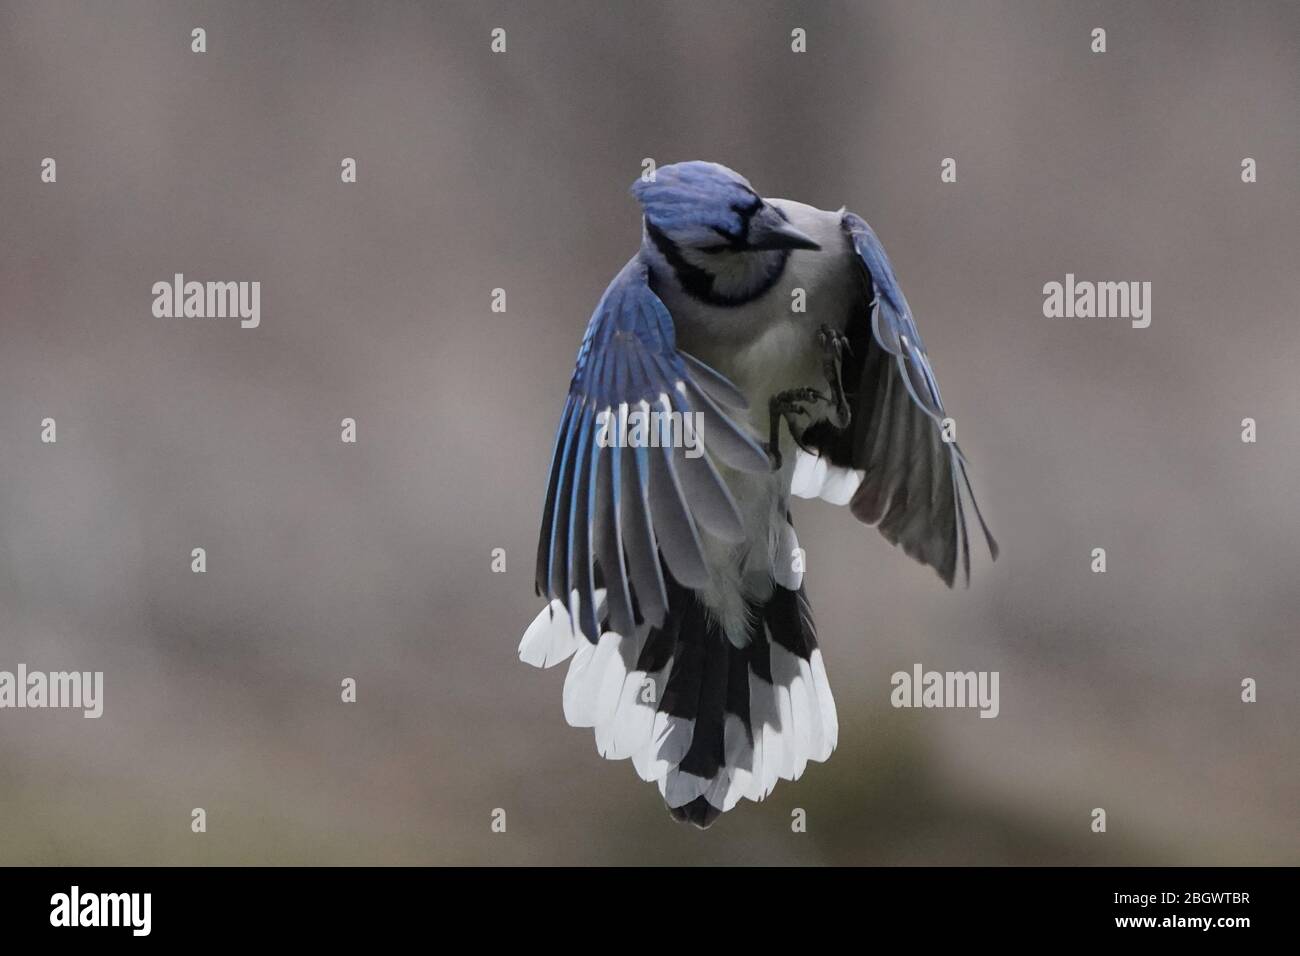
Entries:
{"x":892,"y":465}
{"x":614,"y":507}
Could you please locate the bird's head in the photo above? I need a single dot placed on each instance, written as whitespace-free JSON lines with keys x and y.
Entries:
{"x":710,"y":208}
{"x":717,"y":233}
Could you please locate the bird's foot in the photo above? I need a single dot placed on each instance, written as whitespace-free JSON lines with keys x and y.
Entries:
{"x":835,"y":344}
{"x":786,"y":405}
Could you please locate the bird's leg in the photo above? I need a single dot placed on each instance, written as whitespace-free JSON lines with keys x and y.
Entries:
{"x":834,"y":344}
{"x":785,"y":405}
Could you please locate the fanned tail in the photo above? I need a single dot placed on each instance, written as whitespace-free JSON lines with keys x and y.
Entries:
{"x":708,"y":721}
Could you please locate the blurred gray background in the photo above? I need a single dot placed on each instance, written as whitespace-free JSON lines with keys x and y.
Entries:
{"x":479,"y":171}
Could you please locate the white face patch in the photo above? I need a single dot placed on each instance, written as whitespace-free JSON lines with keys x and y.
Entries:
{"x":736,"y":275}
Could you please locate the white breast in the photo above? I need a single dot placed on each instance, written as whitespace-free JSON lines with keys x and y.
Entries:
{"x":764,"y":347}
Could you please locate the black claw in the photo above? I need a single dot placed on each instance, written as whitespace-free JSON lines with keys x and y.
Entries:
{"x":834,"y":343}
{"x":785,"y":405}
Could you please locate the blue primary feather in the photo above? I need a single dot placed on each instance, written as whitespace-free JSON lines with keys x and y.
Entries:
{"x":893,"y":325}
{"x":894,"y":329}
{"x":612,"y":511}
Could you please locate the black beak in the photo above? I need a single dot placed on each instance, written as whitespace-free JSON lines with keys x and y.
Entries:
{"x":768,"y":230}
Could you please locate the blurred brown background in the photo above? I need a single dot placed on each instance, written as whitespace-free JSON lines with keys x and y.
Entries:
{"x":478,"y":171}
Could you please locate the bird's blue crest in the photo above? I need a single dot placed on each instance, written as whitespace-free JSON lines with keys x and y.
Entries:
{"x":694,"y":199}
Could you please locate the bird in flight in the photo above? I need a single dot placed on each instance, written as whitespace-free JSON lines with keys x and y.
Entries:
{"x":753,"y":349}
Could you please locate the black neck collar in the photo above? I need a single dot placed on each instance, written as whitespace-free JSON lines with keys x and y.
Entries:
{"x":698,"y":282}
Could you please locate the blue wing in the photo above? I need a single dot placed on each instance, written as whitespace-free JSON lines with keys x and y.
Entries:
{"x":613,"y":510}
{"x":910,"y":481}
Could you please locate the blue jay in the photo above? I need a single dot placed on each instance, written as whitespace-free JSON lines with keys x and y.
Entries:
{"x":675,"y":580}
